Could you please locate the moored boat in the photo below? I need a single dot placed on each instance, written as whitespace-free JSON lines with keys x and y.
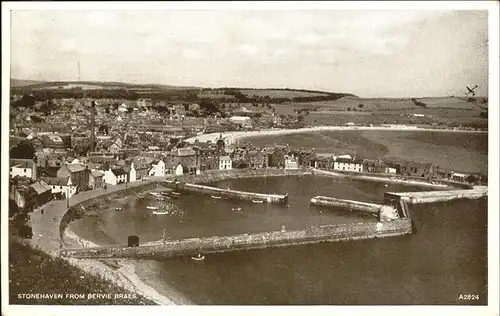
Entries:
{"x":217,"y":197}
{"x":199,"y":257}
{"x":151,"y":207}
{"x":257,"y":201}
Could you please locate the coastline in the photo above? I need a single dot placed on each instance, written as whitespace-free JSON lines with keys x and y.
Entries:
{"x":233,"y":136}
{"x":120,"y":272}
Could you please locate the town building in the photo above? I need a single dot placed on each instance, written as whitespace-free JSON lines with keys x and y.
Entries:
{"x":23,"y":168}
{"x":257,"y":159}
{"x":291,"y":162}
{"x":96,"y":179}
{"x":115,"y":176}
{"x":375,"y":166}
{"x":79,"y":175}
{"x":225,"y":163}
{"x":346,"y":164}
{"x":157,"y":168}
{"x":61,"y":187}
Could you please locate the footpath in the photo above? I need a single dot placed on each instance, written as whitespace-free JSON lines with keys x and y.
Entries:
{"x":46,"y":226}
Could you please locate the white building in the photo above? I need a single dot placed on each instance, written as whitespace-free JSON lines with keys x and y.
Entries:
{"x":344,"y":164}
{"x":157,"y":169}
{"x":225,"y":163}
{"x":114,"y":176}
{"x":242,"y":120}
{"x":132,"y":174}
{"x":291,"y":162}
{"x":63,"y":186}
{"x":22,"y":168}
{"x":179,"y":170}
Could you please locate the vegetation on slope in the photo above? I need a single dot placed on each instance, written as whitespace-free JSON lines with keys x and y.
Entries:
{"x":31,"y":271}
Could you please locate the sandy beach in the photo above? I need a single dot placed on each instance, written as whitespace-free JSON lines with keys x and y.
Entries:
{"x":120,"y":272}
{"x":231,"y":137}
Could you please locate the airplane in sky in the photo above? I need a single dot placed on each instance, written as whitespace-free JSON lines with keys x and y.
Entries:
{"x":471,"y":91}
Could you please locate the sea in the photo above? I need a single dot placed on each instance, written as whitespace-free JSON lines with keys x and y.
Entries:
{"x":445,"y":257}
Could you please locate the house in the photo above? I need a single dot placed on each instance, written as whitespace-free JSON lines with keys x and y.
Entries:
{"x":243,"y":121}
{"x":115,"y":176}
{"x":61,"y":188}
{"x":187,"y":157}
{"x":394,"y":165}
{"x":291,"y":162}
{"x":43,"y":192}
{"x":23,"y":168}
{"x":257,"y":159}
{"x":179,"y":170}
{"x":79,"y":175}
{"x":54,"y":142}
{"x":345,"y":164}
{"x":277,"y":156}
{"x":157,"y":169}
{"x":96,"y":179}
{"x":141,"y":170}
{"x":461,"y":177}
{"x":418,"y":169}
{"x":225,"y":163}
{"x":375,"y":166}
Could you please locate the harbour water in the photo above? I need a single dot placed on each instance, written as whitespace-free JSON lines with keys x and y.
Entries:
{"x":446,"y":257}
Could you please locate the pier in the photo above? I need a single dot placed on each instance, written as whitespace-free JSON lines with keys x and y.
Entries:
{"x":227,"y":193}
{"x":476,"y":192}
{"x":383,"y":212}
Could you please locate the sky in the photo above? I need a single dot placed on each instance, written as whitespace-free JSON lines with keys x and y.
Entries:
{"x":377,"y":53}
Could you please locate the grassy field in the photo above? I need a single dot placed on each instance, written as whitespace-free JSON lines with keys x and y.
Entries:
{"x":466,"y":152}
{"x":386,"y":104}
{"x":33,"y":271}
{"x":275,"y":93}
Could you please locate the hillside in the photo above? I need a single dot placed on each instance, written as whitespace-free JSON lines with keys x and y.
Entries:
{"x":23,"y":83}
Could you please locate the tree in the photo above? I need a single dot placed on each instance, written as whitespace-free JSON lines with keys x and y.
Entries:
{"x":23,"y":150}
{"x":361,"y":105}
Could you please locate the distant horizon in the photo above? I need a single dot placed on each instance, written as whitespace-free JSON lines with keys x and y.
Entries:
{"x":41,"y":81}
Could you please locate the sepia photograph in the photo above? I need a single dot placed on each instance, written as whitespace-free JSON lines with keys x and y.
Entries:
{"x":324,"y":155}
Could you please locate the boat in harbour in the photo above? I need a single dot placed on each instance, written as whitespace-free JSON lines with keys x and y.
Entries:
{"x":156,"y":194}
{"x":176,"y":193}
{"x":199,"y":257}
{"x":236,"y":209}
{"x":151,"y":207}
{"x":118,"y":209}
{"x":217,"y":197}
{"x":257,"y":201}
{"x":160,"y":213}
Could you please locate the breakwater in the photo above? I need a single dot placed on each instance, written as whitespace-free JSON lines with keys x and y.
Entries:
{"x":380,"y":177}
{"x":383,"y":212}
{"x":476,"y":192}
{"x":227,"y":193}
{"x":214,"y":244}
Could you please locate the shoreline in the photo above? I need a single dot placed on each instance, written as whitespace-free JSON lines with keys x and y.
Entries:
{"x":120,"y":272}
{"x":233,"y":136}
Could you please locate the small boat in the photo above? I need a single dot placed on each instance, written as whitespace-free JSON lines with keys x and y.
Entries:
{"x":155,"y":194}
{"x":175,"y":193}
{"x":198,"y":258}
{"x":236,"y":209}
{"x":160,"y":213}
{"x":118,"y":209}
{"x":257,"y":202}
{"x":216,"y":197}
{"x":140,"y":196}
{"x":151,"y":207}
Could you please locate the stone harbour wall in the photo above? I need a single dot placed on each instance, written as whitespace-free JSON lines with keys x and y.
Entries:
{"x":193,"y":246}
